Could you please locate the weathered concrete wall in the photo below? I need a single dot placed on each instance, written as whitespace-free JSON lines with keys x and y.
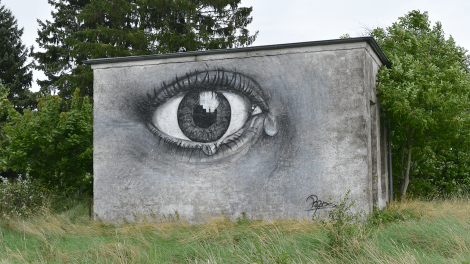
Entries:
{"x":313,"y":128}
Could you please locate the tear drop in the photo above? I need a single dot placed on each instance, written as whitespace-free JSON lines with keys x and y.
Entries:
{"x":270,"y":125}
{"x":209,"y":149}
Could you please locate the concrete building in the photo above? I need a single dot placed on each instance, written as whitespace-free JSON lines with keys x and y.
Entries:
{"x":270,"y":131}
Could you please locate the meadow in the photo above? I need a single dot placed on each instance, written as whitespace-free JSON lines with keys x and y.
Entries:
{"x":414,"y":231}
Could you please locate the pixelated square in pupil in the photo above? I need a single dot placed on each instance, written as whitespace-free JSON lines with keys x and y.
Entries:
{"x":203,"y":118}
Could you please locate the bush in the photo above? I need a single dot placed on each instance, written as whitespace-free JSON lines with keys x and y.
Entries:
{"x":50,"y":144}
{"x":344,"y":228}
{"x":21,"y":197}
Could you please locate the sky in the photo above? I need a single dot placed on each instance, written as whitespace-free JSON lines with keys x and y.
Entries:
{"x":298,"y":20}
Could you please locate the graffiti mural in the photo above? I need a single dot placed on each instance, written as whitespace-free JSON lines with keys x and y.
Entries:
{"x":210,"y":113}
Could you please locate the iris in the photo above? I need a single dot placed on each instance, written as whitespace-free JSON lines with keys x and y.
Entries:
{"x":204,"y":116}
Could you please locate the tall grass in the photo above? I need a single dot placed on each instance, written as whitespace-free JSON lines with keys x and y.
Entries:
{"x":413,"y":231}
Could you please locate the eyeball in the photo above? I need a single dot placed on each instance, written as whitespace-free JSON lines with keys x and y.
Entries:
{"x":204,"y":116}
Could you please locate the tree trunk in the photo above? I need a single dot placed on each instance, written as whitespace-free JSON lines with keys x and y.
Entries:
{"x":406,"y":180}
{"x":402,"y":174}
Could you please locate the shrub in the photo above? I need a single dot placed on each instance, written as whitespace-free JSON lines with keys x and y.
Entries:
{"x":50,"y":144}
{"x":21,"y":197}
{"x":345,"y":229}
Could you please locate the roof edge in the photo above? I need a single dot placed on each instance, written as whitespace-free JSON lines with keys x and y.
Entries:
{"x":370,"y":40}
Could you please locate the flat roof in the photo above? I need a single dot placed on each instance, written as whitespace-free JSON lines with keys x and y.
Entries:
{"x":370,"y":40}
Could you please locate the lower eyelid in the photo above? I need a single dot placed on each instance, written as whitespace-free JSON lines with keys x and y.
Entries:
{"x":250,"y":131}
{"x":190,"y":150}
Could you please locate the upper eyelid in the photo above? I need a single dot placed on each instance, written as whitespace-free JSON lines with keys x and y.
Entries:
{"x":215,"y":79}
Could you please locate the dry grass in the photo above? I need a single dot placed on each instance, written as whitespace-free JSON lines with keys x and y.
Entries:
{"x":456,"y":207}
{"x":413,"y":231}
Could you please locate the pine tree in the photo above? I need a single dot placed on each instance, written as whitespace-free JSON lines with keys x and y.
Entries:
{"x":58,"y":61}
{"x":15,"y":73}
{"x":88,"y":29}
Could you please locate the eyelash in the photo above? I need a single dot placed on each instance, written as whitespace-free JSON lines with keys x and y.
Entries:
{"x":208,"y":80}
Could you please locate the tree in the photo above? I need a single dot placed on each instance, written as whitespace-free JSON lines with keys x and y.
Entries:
{"x":48,"y":144}
{"x":15,"y":73}
{"x":88,"y":29}
{"x":57,"y":61}
{"x":5,"y":106}
{"x":425,"y":94}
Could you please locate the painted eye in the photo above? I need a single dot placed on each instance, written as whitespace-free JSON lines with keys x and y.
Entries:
{"x":208,"y":112}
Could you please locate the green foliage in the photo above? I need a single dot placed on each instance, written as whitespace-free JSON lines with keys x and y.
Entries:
{"x":15,"y":73}
{"x":390,"y":215}
{"x":58,"y":62}
{"x":49,"y":144}
{"x":22,"y":197}
{"x":425,"y":94}
{"x":343,"y":226}
{"x":262,"y":253}
{"x":5,"y":107}
{"x":243,"y":220}
{"x":5,"y":104}
{"x":84,"y":29}
{"x":442,"y":172}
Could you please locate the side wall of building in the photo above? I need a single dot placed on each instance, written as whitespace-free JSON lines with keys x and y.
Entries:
{"x":317,"y":137}
{"x":378,"y":172}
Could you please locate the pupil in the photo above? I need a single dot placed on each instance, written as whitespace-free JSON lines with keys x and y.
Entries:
{"x":203,"y":118}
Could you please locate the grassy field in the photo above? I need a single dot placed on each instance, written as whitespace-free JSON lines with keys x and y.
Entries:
{"x":409,"y":232}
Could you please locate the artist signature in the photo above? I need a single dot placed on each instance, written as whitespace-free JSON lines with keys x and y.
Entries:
{"x":318,"y":204}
